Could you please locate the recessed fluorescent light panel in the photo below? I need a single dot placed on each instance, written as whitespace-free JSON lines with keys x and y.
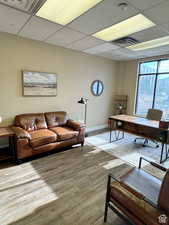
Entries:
{"x":125,"y":28}
{"x":64,"y":11}
{"x":150,"y":44}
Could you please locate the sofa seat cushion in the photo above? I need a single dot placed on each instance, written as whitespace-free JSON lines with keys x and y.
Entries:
{"x":142,"y":210}
{"x":64,"y":133}
{"x":42,"y":137}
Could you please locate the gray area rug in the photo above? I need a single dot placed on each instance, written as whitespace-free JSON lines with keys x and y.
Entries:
{"x":129,"y":151}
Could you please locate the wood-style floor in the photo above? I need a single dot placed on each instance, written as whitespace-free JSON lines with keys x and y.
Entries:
{"x":66,"y":188}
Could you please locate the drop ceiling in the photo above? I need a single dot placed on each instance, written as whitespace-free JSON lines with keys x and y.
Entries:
{"x":77,"y":35}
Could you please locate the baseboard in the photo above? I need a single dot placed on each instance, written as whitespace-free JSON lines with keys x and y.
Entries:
{"x":95,"y":128}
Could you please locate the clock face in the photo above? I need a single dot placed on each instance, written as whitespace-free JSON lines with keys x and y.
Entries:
{"x":97,"y":87}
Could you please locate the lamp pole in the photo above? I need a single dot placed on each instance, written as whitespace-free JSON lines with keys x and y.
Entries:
{"x":85,"y":112}
{"x":84,"y":102}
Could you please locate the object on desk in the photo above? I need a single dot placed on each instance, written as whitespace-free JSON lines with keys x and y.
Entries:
{"x":0,"y":119}
{"x":119,"y":104}
{"x":164,"y":124}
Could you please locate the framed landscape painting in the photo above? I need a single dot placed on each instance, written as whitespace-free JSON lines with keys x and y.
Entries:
{"x":39,"y":83}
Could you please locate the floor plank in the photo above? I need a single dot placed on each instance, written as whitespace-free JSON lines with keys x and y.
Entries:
{"x":66,"y":188}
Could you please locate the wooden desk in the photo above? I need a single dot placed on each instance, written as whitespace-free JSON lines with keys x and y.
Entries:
{"x":7,"y":153}
{"x":140,"y":127}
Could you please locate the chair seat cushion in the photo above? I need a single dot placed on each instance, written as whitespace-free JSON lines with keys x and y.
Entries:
{"x":42,"y":137}
{"x":143,"y":182}
{"x":64,"y":133}
{"x":135,"y":206}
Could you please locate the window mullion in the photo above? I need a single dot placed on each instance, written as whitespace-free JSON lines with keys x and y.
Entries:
{"x":155,"y":86}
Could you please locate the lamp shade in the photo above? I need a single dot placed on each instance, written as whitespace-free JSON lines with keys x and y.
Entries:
{"x":0,"y":119}
{"x":81,"y":101}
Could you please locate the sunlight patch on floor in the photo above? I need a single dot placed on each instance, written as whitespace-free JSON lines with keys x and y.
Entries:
{"x":113,"y":163}
{"x":108,"y":146}
{"x":94,"y":151}
{"x":23,"y":197}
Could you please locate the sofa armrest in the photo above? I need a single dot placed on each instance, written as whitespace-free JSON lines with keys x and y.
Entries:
{"x":75,"y":125}
{"x":21,"y":133}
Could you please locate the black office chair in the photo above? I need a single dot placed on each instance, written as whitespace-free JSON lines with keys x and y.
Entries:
{"x":152,"y":114}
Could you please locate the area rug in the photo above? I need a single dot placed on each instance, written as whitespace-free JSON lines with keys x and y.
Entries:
{"x":129,"y":151}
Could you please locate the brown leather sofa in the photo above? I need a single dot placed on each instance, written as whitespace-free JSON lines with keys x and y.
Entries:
{"x":41,"y":132}
{"x":138,"y":197}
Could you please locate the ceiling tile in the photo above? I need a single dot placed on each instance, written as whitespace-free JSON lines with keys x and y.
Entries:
{"x":85,"y":43}
{"x":103,"y":15}
{"x":11,"y":20}
{"x":123,"y":52}
{"x":39,"y":29}
{"x":115,"y":56}
{"x":105,"y":54}
{"x":150,"y":34}
{"x":145,"y":4}
{"x":24,"y":5}
{"x":64,"y":37}
{"x":154,"y":51}
{"x":101,"y":48}
{"x":165,"y":26}
{"x":158,"y":14}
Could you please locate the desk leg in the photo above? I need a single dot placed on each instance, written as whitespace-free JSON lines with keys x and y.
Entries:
{"x":166,"y":153}
{"x":110,"y":124}
{"x":117,"y":138}
{"x":162,"y":150}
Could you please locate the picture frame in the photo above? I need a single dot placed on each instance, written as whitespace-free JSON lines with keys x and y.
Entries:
{"x":39,"y":84}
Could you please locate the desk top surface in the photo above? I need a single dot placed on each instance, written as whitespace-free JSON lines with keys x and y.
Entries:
{"x":6,"y":131}
{"x":137,"y":120}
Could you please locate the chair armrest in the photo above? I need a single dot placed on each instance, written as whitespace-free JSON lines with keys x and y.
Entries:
{"x":75,"y":125}
{"x":134,"y":191}
{"x":152,"y":163}
{"x":21,"y":133}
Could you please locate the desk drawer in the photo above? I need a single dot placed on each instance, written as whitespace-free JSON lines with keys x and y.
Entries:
{"x":143,"y":131}
{"x":152,"y":133}
{"x":130,"y":127}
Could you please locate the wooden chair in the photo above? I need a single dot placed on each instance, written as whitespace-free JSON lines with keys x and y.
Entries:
{"x":138,"y":197}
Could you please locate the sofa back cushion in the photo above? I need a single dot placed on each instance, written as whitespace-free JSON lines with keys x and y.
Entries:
{"x":31,"y":121}
{"x":55,"y":119}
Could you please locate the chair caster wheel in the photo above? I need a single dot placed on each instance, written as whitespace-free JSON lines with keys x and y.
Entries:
{"x":135,"y":140}
{"x":144,"y":145}
{"x":157,"y":146}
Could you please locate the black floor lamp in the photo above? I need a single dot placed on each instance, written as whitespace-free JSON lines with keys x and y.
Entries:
{"x":84,"y":102}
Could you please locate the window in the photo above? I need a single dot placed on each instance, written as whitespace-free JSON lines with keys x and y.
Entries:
{"x":153,"y":87}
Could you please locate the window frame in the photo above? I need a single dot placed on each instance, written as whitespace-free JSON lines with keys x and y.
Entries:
{"x":156,"y":74}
